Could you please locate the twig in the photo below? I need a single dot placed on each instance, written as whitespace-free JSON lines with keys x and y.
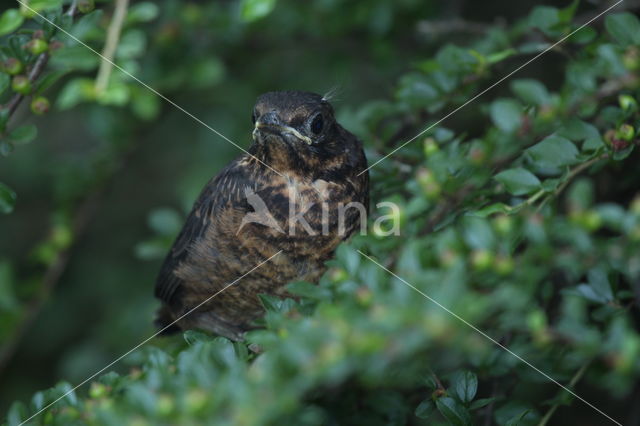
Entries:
{"x":36,"y":71}
{"x":576,"y":377}
{"x":111,"y":44}
{"x":572,"y":174}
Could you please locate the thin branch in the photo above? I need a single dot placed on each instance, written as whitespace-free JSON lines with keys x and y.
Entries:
{"x":576,"y":377}
{"x":111,"y":44}
{"x":36,"y":71}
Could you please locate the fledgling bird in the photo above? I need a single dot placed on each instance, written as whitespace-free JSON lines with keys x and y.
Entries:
{"x":291,"y":193}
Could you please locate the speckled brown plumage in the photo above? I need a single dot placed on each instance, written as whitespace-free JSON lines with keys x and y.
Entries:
{"x":216,"y":247}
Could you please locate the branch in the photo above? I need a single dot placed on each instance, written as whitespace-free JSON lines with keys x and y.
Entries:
{"x":572,"y":383}
{"x":110,"y":46}
{"x":36,"y":71}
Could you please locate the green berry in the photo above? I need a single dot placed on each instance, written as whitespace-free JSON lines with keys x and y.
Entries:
{"x":40,"y":105}
{"x":626,"y":132}
{"x":430,"y":146}
{"x":86,"y":6}
{"x":631,"y":59}
{"x":428,"y":183}
{"x":165,"y":405}
{"x":481,"y":259}
{"x":592,"y":220}
{"x":97,"y":390}
{"x":12,"y":66}
{"x":21,"y":84}
{"x":504,"y":265}
{"x":37,"y":46}
{"x":635,"y":206}
{"x":503,"y":224}
{"x":195,"y":401}
{"x":627,"y":103}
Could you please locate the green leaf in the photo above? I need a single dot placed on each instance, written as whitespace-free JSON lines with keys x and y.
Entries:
{"x":252,"y":10}
{"x":496,"y":57}
{"x":545,"y":18}
{"x":5,"y":81}
{"x":584,"y":35}
{"x":416,"y":91}
{"x":600,"y":284}
{"x":75,"y":91}
{"x":531,"y":91}
{"x":132,"y":44}
{"x":17,"y":414}
{"x":10,"y":21}
{"x":270,"y":303}
{"x":477,"y":233}
{"x":577,"y":130}
{"x":482,"y":402}
{"x":517,"y":419}
{"x":47,"y":81}
{"x":554,"y":151}
{"x":465,"y":385}
{"x":193,"y":336}
{"x":144,"y":103}
{"x":425,"y":409}
{"x":142,"y":12}
{"x":491,"y":209}
{"x":506,"y":114}
{"x":75,"y":58}
{"x":624,"y":27}
{"x":116,"y":93}
{"x":24,"y":134}
{"x":518,"y":181}
{"x":453,"y":411}
{"x":566,"y":14}
{"x":7,"y":199}
{"x":40,"y":5}
{"x":305,"y":289}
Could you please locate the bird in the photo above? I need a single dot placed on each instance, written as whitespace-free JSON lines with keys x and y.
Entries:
{"x":300,"y":190}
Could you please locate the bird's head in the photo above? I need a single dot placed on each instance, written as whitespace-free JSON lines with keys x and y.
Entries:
{"x":297,"y":128}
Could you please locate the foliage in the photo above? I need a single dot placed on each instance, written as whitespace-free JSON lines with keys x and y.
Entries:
{"x":520,"y":214}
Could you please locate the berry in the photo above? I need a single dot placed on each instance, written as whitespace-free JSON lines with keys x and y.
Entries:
{"x":12,"y":66}
{"x":86,"y":6}
{"x":37,"y":46}
{"x":21,"y":84}
{"x":626,"y":132}
{"x":627,"y":103}
{"x":430,"y":146}
{"x":40,"y":105}
{"x":482,"y":259}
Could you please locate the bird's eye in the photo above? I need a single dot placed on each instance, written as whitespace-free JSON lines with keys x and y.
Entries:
{"x":316,"y":124}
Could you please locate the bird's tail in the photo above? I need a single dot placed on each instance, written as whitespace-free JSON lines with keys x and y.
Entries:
{"x":165,"y":321}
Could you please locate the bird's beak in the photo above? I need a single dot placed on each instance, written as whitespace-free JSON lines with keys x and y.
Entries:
{"x":262,"y":128}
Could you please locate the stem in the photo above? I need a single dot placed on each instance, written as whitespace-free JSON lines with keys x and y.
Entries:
{"x":572,"y":174}
{"x":111,"y":44}
{"x":576,"y":377}
{"x":36,"y":71}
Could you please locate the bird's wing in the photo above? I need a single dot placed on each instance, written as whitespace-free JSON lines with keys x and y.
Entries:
{"x":227,"y":187}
